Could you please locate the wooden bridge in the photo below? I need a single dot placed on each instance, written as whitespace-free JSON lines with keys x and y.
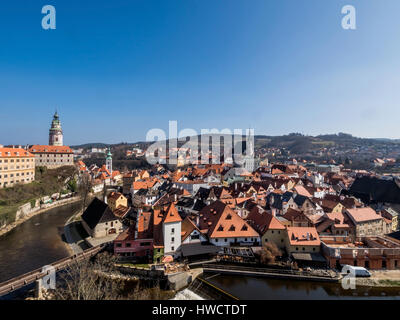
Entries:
{"x":30,"y":277}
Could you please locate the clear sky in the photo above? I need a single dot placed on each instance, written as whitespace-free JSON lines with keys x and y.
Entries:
{"x":115,"y":69}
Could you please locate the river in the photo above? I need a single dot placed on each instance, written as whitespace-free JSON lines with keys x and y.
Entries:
{"x":35,"y":243}
{"x":258,"y":288}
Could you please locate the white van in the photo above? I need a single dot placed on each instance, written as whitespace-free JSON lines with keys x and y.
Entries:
{"x":357,"y":271}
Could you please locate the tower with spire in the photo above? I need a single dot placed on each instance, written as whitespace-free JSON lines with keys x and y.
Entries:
{"x":109,"y":161}
{"x":55,"y":133}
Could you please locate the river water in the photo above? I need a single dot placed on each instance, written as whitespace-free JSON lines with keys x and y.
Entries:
{"x":258,"y":288}
{"x":35,"y":243}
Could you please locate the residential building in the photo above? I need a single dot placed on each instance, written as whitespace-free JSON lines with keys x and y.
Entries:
{"x":16,"y":166}
{"x":99,"y":221}
{"x":52,"y":156}
{"x":302,"y":240}
{"x":224,"y":227}
{"x":366,"y":222}
{"x":115,"y":200}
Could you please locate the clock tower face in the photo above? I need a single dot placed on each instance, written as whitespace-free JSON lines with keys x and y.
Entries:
{"x":55,"y":133}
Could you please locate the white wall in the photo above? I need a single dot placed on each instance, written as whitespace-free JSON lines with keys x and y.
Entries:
{"x":222,"y":242}
{"x":168,"y":235}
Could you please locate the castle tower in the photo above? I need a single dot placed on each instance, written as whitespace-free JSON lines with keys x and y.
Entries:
{"x":109,"y":161}
{"x":55,"y":133}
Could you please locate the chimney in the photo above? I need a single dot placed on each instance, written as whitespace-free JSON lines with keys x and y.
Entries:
{"x":308,"y":236}
{"x":197,"y":221}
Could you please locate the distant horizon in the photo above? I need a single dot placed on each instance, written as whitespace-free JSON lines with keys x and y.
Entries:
{"x":255,"y":135}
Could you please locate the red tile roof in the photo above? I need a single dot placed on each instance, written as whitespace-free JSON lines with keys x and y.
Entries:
{"x":50,"y":149}
{"x":363,"y":214}
{"x":172,"y":215}
{"x":222,"y":222}
{"x":14,"y":152}
{"x":303,"y":236}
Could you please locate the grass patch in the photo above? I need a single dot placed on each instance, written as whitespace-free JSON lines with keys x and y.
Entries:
{"x":390,"y":282}
{"x":47,"y":182}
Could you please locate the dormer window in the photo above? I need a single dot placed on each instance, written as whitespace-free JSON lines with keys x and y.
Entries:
{"x":220,"y":228}
{"x":244,"y":228}
{"x":232,"y":228}
{"x":228,"y":217}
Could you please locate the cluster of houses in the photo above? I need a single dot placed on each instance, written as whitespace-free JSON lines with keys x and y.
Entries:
{"x":312,"y":216}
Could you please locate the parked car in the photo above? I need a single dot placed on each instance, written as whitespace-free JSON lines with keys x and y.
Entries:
{"x":357,"y":271}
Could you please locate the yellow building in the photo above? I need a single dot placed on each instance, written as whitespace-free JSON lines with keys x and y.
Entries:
{"x":116,"y":199}
{"x":275,"y":232}
{"x":16,"y":166}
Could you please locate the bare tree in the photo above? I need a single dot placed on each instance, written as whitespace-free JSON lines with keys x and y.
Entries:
{"x":89,"y":280}
{"x":100,"y":279}
{"x":85,"y":188}
{"x":269,"y":253}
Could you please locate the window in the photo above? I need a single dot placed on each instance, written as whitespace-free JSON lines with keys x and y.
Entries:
{"x":128,"y":244}
{"x":119,"y":245}
{"x":173,"y":230}
{"x":172,"y":248}
{"x":172,"y":239}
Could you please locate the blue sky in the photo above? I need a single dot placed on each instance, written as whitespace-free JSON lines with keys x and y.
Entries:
{"x":115,"y":69}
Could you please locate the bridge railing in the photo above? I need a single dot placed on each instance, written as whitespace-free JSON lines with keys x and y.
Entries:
{"x":29,"y":277}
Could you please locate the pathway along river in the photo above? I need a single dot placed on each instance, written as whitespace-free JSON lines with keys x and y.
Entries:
{"x":35,"y":243}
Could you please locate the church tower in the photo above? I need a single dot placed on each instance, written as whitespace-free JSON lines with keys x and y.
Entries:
{"x":55,"y":133}
{"x":109,"y":161}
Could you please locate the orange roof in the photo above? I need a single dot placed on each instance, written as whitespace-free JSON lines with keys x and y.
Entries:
{"x":50,"y":149}
{"x":222,"y":222}
{"x":304,"y":236}
{"x":14,"y":152}
{"x":302,"y":191}
{"x":172,"y":215}
{"x":146,"y":184}
{"x":363,"y":214}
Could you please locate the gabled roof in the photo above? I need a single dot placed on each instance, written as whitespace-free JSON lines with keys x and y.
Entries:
{"x":114,"y":196}
{"x":97,"y":212}
{"x":187,"y":228}
{"x":220,"y":221}
{"x":172,"y":215}
{"x":263,"y":221}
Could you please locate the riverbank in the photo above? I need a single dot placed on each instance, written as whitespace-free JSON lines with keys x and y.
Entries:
{"x":46,"y":207}
{"x":381,"y":279}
